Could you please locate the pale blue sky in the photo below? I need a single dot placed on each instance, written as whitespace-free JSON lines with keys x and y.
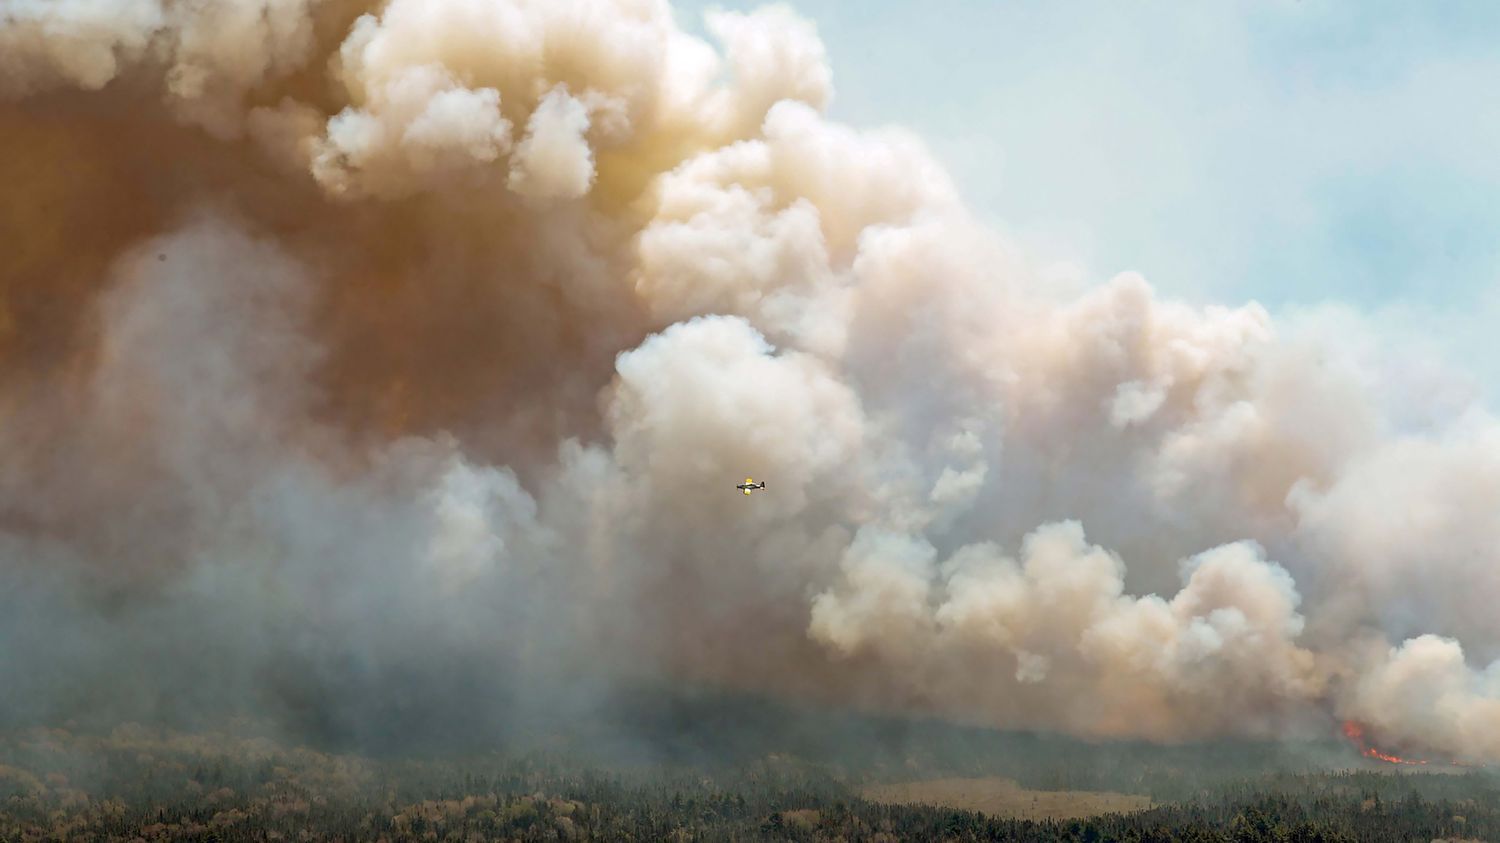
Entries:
{"x":1290,"y":152}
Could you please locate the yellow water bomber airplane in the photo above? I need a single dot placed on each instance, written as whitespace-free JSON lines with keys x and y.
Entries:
{"x":750,"y":485}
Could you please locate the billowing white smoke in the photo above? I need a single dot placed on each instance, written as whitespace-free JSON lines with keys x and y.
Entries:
{"x":350,"y":345}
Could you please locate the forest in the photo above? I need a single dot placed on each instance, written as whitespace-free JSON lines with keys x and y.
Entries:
{"x":146,"y":783}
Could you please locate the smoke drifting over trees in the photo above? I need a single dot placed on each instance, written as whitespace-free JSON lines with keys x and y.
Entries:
{"x":360,"y":360}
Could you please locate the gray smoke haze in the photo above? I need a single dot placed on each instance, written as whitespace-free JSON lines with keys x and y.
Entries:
{"x":356,"y":359}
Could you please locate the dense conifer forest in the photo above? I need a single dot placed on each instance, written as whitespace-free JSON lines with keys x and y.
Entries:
{"x":134,"y":783}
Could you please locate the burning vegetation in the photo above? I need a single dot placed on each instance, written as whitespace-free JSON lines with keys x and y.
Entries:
{"x":1358,"y":734}
{"x":1355,"y":732}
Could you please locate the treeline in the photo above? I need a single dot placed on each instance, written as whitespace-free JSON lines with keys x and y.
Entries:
{"x":708,"y":728}
{"x":604,"y":809}
{"x":135,"y":785}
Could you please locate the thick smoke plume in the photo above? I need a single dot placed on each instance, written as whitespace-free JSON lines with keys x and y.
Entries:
{"x":361,"y":358}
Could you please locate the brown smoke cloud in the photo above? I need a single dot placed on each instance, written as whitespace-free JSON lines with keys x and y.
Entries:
{"x":348,"y":350}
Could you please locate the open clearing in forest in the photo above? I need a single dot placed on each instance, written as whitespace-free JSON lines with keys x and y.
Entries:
{"x":1004,"y":798}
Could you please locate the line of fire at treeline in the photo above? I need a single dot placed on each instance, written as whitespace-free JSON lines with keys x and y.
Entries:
{"x":1358,"y":734}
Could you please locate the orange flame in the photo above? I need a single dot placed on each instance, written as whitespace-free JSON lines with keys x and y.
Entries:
{"x":1356,"y":734}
